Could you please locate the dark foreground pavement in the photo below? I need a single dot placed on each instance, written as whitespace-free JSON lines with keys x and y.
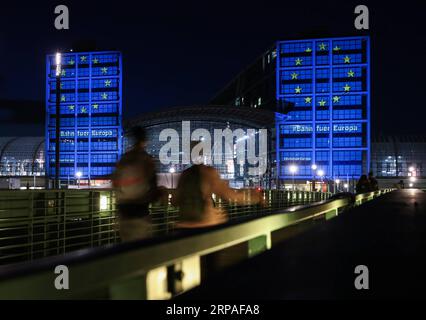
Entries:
{"x":388,"y":235}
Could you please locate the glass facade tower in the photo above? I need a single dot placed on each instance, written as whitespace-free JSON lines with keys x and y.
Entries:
{"x":90,"y":114}
{"x":323,"y":86}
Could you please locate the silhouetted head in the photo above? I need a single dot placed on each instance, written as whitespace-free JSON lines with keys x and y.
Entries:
{"x":370,"y":174}
{"x":363,"y":178}
{"x":138,"y":135}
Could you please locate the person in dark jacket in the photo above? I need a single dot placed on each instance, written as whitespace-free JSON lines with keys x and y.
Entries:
{"x":135,"y":184}
{"x":363,"y":185}
{"x":374,"y":184}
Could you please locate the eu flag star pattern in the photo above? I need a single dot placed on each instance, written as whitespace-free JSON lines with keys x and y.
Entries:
{"x":91,"y":112}
{"x":326,"y":83}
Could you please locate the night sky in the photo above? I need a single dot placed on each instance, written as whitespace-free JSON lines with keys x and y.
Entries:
{"x":179,"y":53}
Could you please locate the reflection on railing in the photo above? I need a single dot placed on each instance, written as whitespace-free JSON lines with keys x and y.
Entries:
{"x":41,"y":223}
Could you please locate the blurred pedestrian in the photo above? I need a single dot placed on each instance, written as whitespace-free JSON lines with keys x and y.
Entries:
{"x":135,"y":184}
{"x":374,"y":184}
{"x":194,"y":192}
{"x":363,"y":185}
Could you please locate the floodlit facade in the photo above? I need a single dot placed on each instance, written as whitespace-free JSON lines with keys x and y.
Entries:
{"x":322,"y":86}
{"x":90,"y":114}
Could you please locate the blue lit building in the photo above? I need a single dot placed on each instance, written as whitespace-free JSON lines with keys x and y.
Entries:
{"x":90,"y":114}
{"x":322,"y":86}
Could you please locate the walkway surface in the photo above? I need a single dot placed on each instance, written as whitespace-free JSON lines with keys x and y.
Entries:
{"x":387,"y":234}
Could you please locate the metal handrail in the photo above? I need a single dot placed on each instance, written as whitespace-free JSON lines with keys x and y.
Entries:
{"x":140,"y":270}
{"x":41,"y":223}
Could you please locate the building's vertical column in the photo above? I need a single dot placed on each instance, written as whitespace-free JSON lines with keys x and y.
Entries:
{"x":120,"y":107}
{"x":314,"y":101}
{"x":47,"y":149}
{"x":367,"y":39}
{"x":89,"y":151}
{"x":76,"y":108}
{"x":330,"y":108}
{"x":277,"y":118}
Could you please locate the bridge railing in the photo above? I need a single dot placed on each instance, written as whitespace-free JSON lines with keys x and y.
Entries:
{"x":41,"y":223}
{"x":164,"y":267}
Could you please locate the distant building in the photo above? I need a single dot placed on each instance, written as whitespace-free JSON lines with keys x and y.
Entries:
{"x":322,"y":85}
{"x":91,"y":115}
{"x":23,"y":157}
{"x":399,"y":156}
{"x":22,"y":160}
{"x":185,"y":122}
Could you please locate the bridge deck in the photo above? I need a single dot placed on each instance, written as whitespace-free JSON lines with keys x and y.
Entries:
{"x":388,"y":235}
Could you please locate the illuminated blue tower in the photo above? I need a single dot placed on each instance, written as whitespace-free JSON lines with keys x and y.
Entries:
{"x":90,"y":115}
{"x":324,"y":87}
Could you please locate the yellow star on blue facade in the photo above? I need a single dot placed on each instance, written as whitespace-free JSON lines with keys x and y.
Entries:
{"x":107,"y":83}
{"x":322,"y":46}
{"x":347,"y":59}
{"x":322,"y":102}
{"x":298,"y":89}
{"x":294,"y":76}
{"x":63,"y":99}
{"x":83,"y":110}
{"x":95,"y":61}
{"x":308,"y":100}
{"x":336,"y":48}
{"x":351,"y":74}
{"x":298,"y":62}
{"x":95,"y":106}
{"x":71,"y":108}
{"x":347,"y":88}
{"x":104,"y":96}
{"x":308,"y":50}
{"x":336,"y":99}
{"x":83,"y":58}
{"x":71,"y":62}
{"x":104,"y":70}
{"x":63,"y":73}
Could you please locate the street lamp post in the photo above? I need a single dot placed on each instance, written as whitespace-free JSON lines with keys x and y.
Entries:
{"x":58,"y":118}
{"x":337,"y":181}
{"x":293,"y":170}
{"x":78,"y":175}
{"x":172,"y":171}
{"x":320,"y":173}
{"x":314,"y":168}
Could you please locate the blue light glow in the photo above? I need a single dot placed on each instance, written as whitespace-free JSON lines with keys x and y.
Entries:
{"x":91,"y":114}
{"x":323,"y":84}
